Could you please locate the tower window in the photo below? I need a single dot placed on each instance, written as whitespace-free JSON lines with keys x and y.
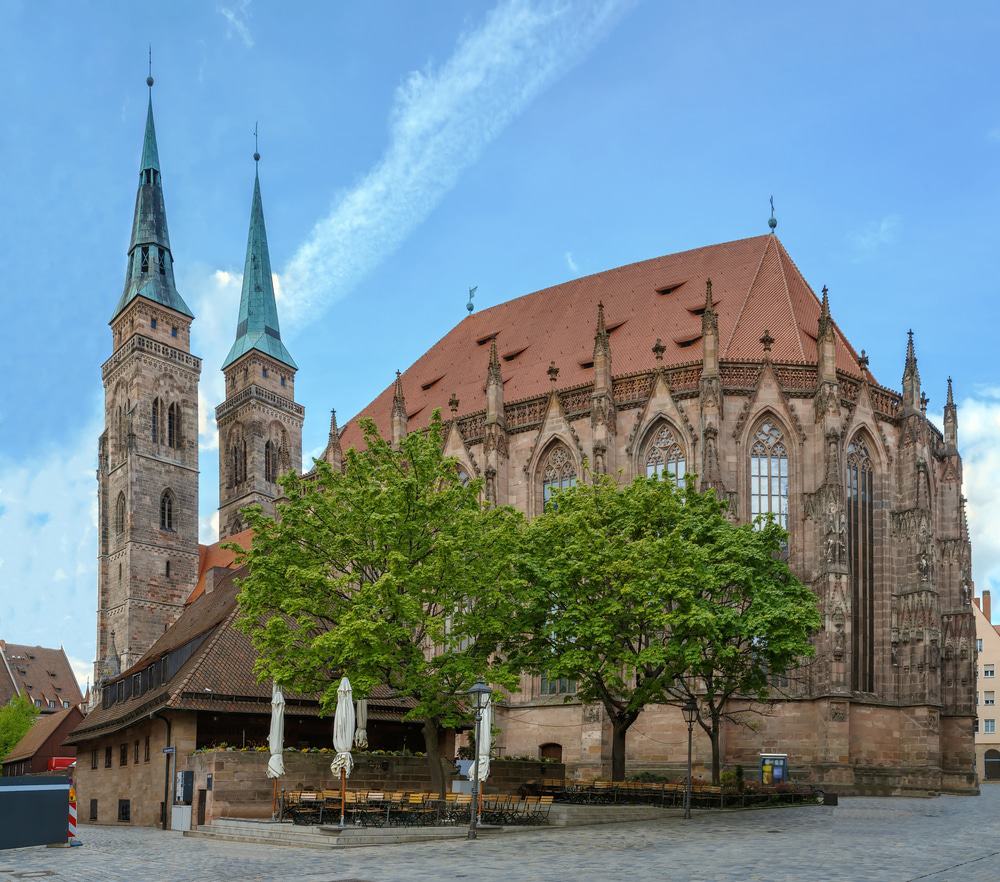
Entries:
{"x":264,"y":371}
{"x":174,"y":426}
{"x":861,"y":558}
{"x":162,"y":261}
{"x":156,"y":420}
{"x":120,"y":515}
{"x":173,"y":331}
{"x":270,"y":463}
{"x":167,"y":569}
{"x":167,"y":511}
{"x":282,"y":379}
{"x":144,"y":259}
{"x":152,"y":322}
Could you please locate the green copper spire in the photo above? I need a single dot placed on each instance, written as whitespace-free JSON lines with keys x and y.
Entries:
{"x":258,"y":321}
{"x":150,"y":271}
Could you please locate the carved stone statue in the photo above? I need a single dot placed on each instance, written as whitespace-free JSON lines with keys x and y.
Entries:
{"x":839,"y":638}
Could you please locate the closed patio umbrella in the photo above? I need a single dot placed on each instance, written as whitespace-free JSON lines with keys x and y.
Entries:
{"x":484,"y":739}
{"x":275,"y":742}
{"x":361,"y":734}
{"x":343,"y":738}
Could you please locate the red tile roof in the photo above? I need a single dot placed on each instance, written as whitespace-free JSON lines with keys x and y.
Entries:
{"x":43,"y":728}
{"x":756,"y":287}
{"x":215,"y":555}
{"x":41,"y":674}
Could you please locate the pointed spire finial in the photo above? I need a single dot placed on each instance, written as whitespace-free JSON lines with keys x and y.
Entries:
{"x":256,"y":150}
{"x":951,"y":396}
{"x":659,"y":349}
{"x":767,"y":341}
{"x":398,"y":399}
{"x":772,"y":221}
{"x":553,"y":372}
{"x":708,"y":294}
{"x":334,"y":430}
{"x":472,"y":293}
{"x":924,"y":401}
{"x":601,"y":327}
{"x":493,"y":371}
{"x":863,"y":361}
{"x":453,"y":404}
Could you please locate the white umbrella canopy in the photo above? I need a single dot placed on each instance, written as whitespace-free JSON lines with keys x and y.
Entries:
{"x":343,"y":729}
{"x":361,"y":734}
{"x":275,"y":740}
{"x":484,"y":740}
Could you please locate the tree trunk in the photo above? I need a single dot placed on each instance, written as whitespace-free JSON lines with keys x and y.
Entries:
{"x":716,"y":764}
{"x":434,"y":757}
{"x":619,"y":727}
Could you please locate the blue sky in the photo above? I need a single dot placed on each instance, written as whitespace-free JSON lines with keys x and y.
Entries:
{"x":412,"y":150}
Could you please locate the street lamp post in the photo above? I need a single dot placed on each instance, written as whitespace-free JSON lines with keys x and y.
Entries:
{"x":690,"y":711}
{"x":480,"y":693}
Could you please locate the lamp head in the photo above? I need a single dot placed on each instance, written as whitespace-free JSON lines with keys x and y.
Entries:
{"x":480,"y":693}
{"x":690,"y":710}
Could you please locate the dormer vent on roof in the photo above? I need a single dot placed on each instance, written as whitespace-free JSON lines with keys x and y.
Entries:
{"x":669,"y":289}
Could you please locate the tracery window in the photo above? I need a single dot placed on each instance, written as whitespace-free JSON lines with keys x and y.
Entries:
{"x":463,"y":477}
{"x":174,"y":426}
{"x":664,"y":456}
{"x":162,"y":263}
{"x":238,"y":460}
{"x":167,"y":511}
{"x":144,"y":259}
{"x":120,"y":515}
{"x":861,"y":560}
{"x":769,"y":473}
{"x":558,"y":472}
{"x":270,"y":462}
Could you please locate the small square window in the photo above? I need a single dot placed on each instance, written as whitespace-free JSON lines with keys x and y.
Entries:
{"x":125,"y":810}
{"x":989,"y":727}
{"x":989,"y":698}
{"x":989,"y":671}
{"x":152,"y":323}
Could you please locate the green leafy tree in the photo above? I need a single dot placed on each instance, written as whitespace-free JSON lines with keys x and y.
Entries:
{"x":392,"y":573}
{"x":16,"y":718}
{"x":605,"y":569}
{"x":746,"y":620}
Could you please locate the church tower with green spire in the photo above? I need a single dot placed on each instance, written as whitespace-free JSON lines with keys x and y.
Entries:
{"x":260,"y":423}
{"x":148,"y":453}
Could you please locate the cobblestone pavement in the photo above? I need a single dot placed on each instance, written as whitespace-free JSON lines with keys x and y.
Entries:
{"x":933,"y":840}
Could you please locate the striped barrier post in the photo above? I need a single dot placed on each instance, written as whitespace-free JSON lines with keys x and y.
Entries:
{"x":72,"y":814}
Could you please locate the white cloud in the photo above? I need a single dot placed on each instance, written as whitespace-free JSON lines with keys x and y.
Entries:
{"x":441,"y":121}
{"x":573,"y":268}
{"x":82,"y":670}
{"x":978,"y":431}
{"x":48,"y":544}
{"x":236,"y":15}
{"x":875,"y":235}
{"x":208,"y":528}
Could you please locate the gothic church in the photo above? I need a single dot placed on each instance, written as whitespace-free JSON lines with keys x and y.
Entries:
{"x":720,"y":361}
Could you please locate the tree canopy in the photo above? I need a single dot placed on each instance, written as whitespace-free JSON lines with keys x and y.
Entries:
{"x":16,"y":718}
{"x":392,"y":573}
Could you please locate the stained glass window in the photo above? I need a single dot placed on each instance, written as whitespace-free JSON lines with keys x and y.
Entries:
{"x":860,"y":543}
{"x":559,"y":471}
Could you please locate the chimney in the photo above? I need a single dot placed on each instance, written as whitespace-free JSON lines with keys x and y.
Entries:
{"x":986,"y":605}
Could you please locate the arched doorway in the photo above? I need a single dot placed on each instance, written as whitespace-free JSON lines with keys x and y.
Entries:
{"x":992,"y":759}
{"x":552,"y":752}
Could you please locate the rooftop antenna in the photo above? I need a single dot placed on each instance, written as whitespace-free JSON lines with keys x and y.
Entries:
{"x":472,"y":293}
{"x":256,"y":152}
{"x":149,"y":76}
{"x":772,"y":221}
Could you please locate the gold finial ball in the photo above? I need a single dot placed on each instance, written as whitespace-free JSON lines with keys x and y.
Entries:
{"x":149,"y":82}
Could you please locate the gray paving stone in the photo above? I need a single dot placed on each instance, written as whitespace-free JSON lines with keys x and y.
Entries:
{"x":863,"y":840}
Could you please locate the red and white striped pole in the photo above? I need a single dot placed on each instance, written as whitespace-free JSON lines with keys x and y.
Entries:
{"x":71,"y":835}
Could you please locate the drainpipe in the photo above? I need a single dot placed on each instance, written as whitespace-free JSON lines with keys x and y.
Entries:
{"x":166,"y":771}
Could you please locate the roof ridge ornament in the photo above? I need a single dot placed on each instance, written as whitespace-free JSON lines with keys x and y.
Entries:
{"x":772,"y":221}
{"x":472,"y":293}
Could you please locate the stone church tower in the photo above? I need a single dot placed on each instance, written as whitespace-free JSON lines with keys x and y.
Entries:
{"x":148,"y":453}
{"x":260,"y":424}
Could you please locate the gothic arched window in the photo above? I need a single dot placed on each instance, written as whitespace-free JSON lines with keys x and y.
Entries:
{"x":463,"y":476}
{"x":769,"y":472}
{"x":558,"y":471}
{"x":270,"y":462}
{"x":174,"y":426}
{"x":120,"y":514}
{"x":156,"y":422}
{"x":167,"y":510}
{"x":861,"y":560}
{"x":664,"y":456}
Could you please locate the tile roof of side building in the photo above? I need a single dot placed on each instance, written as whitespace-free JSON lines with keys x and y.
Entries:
{"x":218,"y":675}
{"x":755,"y":284}
{"x":41,"y":730}
{"x":41,"y":674}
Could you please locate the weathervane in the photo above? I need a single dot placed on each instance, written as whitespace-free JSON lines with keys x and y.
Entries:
{"x":472,"y":293}
{"x":256,"y":152}
{"x":772,"y":221}
{"x":149,"y":76}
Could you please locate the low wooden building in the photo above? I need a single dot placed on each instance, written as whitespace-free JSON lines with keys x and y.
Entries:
{"x":44,"y":741}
